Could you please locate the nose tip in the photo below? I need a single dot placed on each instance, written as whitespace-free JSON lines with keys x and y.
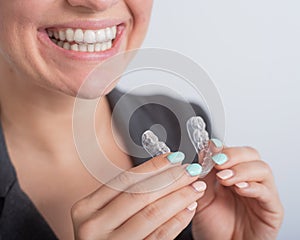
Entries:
{"x":96,"y":5}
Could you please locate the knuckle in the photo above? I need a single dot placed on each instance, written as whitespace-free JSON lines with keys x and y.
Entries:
{"x":266,"y":168}
{"x":77,"y":210}
{"x":178,"y":222}
{"x":161,"y":233}
{"x":138,"y":193}
{"x":157,"y":163}
{"x":253,"y":152}
{"x":174,"y":174}
{"x":151,"y":212}
{"x":124,"y":180}
{"x":186,"y":195}
{"x":89,"y":229}
{"x":138,"y":190}
{"x":86,"y":230}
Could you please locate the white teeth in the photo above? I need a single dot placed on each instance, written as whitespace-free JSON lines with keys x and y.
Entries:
{"x":109,"y":44}
{"x":86,"y":40}
{"x":91,"y":48}
{"x":60,"y":43}
{"x":70,"y":35}
{"x":98,"y":47}
{"x":66,"y":46}
{"x":62,"y":35}
{"x":50,"y":34}
{"x":74,"y":47}
{"x":89,"y":36}
{"x":109,"y":34}
{"x":104,"y":47}
{"x":78,"y":35}
{"x":56,"y":35}
{"x":114,"y":30}
{"x":100,"y":35}
{"x":82,"y":48}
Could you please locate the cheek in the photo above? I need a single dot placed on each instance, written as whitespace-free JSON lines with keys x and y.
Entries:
{"x":140,"y":8}
{"x":10,"y":40}
{"x":17,"y":22}
{"x":141,"y":11}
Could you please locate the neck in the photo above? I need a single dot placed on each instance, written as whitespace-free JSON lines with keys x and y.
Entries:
{"x":42,"y":118}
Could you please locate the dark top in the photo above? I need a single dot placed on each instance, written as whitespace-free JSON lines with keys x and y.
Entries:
{"x":20,"y":219}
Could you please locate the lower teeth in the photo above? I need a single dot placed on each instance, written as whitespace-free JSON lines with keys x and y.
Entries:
{"x":83,"y":47}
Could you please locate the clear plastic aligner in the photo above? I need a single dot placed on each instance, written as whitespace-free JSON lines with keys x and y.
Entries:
{"x":200,"y":139}
{"x":152,"y":144}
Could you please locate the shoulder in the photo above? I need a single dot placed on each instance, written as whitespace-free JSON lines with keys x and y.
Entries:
{"x":7,"y":172}
{"x":155,"y":108}
{"x":19,"y":219}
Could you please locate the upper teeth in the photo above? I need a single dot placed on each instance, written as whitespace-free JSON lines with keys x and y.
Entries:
{"x":84,"y":36}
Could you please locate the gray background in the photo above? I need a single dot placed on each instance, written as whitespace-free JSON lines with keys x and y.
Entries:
{"x":251,"y":50}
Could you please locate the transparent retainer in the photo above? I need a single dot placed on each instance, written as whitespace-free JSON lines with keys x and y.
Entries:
{"x":152,"y":144}
{"x":198,"y":136}
{"x":200,"y":140}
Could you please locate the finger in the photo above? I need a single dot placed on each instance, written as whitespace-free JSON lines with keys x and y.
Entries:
{"x":266,"y":197}
{"x":254,"y":171}
{"x":253,"y":190}
{"x":210,"y":191}
{"x":205,"y":159}
{"x":106,"y":192}
{"x":138,"y":196}
{"x":254,"y":180}
{"x":208,"y":172}
{"x":203,"y":146}
{"x":158,"y":212}
{"x":234,"y":155}
{"x":172,"y":228}
{"x":215,"y":146}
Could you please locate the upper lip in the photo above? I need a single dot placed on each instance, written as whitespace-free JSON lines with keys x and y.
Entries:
{"x":86,"y":24}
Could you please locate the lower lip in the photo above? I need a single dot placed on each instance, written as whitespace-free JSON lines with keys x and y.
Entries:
{"x":83,"y":56}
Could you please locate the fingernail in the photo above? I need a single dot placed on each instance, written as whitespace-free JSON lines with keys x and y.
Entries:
{"x":176,"y":157}
{"x":199,"y":186}
{"x":220,"y":158}
{"x":217,"y":143}
{"x":225,"y":174}
{"x":193,"y":206}
{"x":242,"y":184}
{"x":194,"y":169}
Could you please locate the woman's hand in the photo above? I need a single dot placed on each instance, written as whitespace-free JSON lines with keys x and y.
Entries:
{"x":241,"y":201}
{"x":132,"y":210}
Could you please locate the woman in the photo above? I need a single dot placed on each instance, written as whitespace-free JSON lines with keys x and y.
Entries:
{"x":47,"y":50}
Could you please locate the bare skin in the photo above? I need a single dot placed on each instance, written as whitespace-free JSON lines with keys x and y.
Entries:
{"x":242,"y":201}
{"x":47,"y":177}
{"x":37,"y":89}
{"x":45,"y":157}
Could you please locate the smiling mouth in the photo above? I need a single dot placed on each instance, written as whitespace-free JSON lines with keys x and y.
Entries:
{"x":84,"y":40}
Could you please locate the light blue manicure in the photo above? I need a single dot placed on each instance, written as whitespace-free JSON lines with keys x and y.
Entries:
{"x":176,"y":157}
{"x":220,"y":158}
{"x":194,"y":169}
{"x":217,"y":142}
